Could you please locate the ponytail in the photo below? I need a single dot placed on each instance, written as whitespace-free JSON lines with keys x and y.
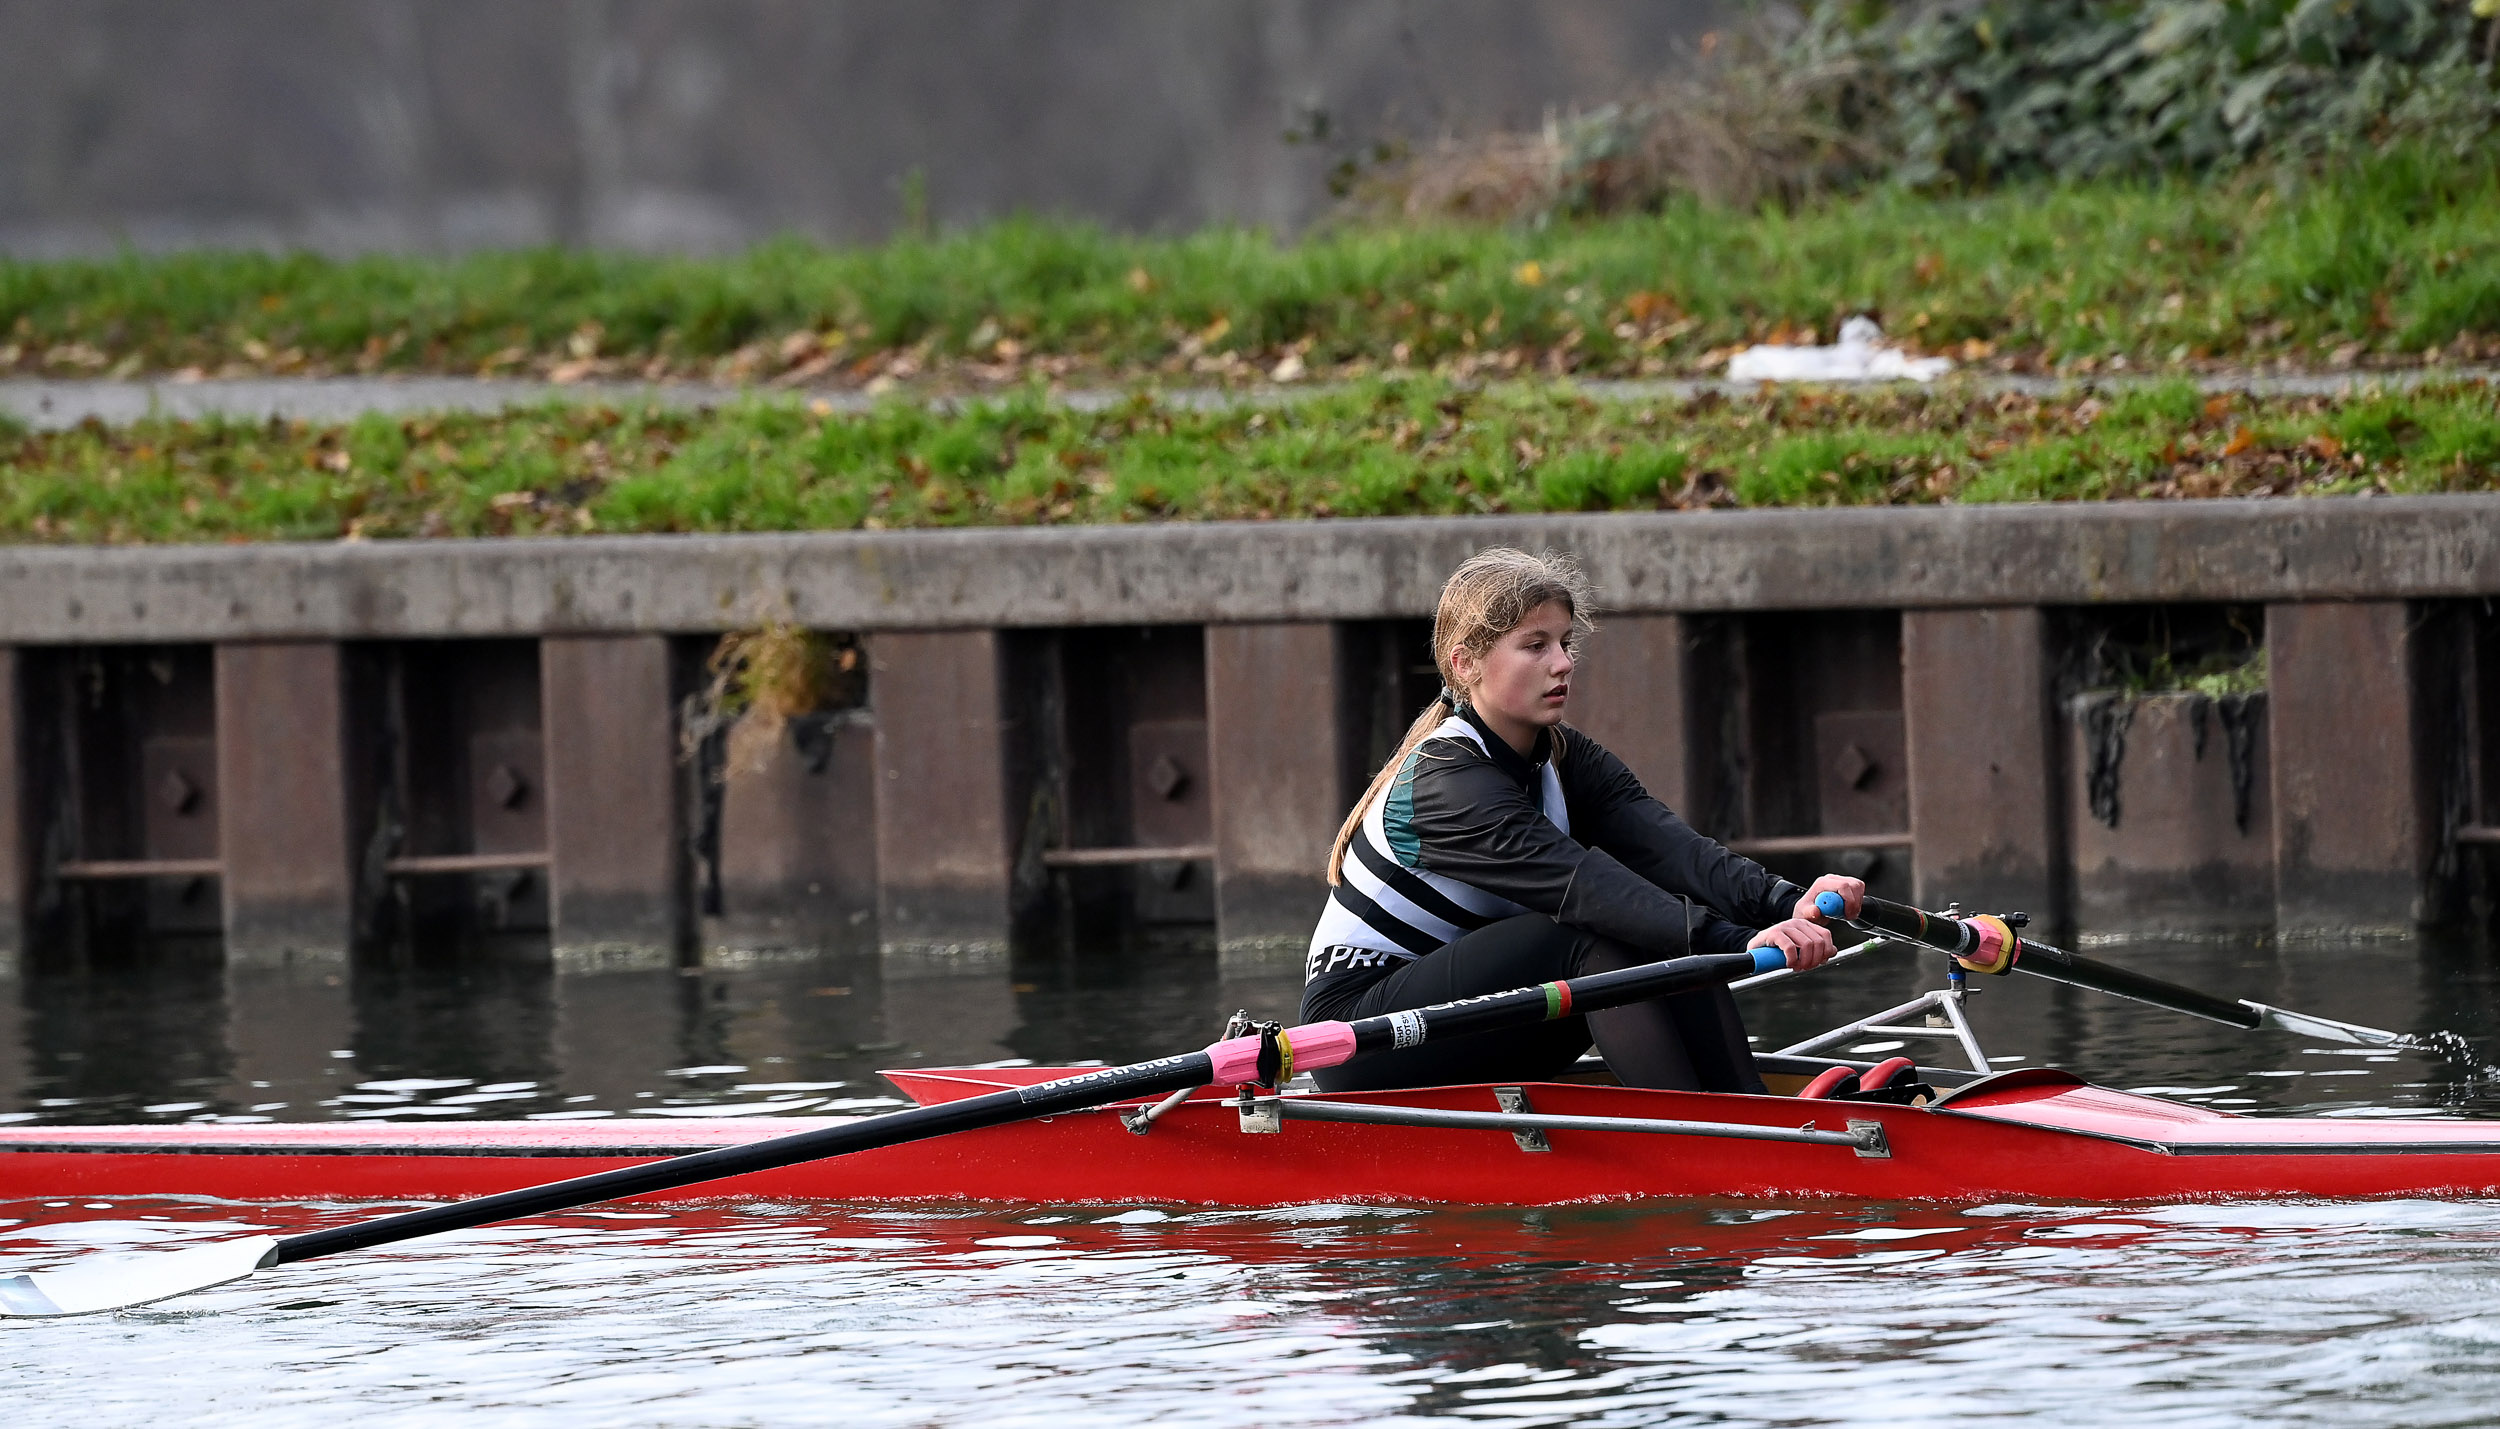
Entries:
{"x":1416,"y":733}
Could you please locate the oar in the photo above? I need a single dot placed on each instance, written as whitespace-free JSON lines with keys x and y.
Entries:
{"x":1271,"y":1059}
{"x":1783,"y":973}
{"x":1986,"y":937}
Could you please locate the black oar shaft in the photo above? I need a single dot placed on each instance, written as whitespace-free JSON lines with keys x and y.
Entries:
{"x":867,"y":1134}
{"x":1331,"y":1043}
{"x":1521,"y":1006}
{"x":2040,"y":959}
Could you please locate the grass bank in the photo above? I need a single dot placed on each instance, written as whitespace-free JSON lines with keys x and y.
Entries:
{"x":2386,"y":259}
{"x":1381,"y":447}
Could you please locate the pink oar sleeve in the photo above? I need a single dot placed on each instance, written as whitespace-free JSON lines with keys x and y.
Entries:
{"x":1320,"y":1044}
{"x":1236,"y":1060}
{"x":1308,"y":1047}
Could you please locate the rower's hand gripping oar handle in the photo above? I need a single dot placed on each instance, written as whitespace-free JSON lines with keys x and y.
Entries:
{"x":1987,"y":943}
{"x":1984,"y":944}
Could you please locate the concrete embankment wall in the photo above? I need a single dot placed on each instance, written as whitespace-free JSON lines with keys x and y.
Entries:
{"x":1055,"y":732}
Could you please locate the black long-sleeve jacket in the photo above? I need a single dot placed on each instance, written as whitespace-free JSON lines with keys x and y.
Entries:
{"x":1476,"y":816}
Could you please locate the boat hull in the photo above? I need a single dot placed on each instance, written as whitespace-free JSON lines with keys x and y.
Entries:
{"x":2024,"y":1136}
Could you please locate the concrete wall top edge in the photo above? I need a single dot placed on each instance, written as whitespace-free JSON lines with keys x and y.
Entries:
{"x":2322,"y":549}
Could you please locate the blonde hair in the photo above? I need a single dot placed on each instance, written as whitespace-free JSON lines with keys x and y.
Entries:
{"x":1485,"y":599}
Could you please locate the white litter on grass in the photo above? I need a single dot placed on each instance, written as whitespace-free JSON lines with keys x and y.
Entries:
{"x":1859,"y":356}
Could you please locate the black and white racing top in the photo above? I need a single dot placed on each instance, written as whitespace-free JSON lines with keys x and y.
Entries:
{"x":1469,"y":833}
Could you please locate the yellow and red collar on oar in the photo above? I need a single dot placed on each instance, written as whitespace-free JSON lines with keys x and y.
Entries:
{"x":1997,"y":948}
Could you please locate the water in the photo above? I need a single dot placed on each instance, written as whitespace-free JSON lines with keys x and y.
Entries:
{"x":2349,"y":1314}
{"x":739,"y":1312}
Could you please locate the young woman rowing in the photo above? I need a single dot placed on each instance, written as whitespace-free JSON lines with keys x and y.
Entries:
{"x":1499,"y":848}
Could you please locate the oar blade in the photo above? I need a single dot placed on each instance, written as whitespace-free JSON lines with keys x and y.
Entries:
{"x":119,"y":1282}
{"x":2328,"y":1029}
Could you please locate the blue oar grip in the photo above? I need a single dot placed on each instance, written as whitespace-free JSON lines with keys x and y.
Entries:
{"x":1830,"y":905}
{"x":1769,"y":960}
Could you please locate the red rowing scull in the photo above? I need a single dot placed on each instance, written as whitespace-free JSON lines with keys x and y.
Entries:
{"x":2032,"y":1134}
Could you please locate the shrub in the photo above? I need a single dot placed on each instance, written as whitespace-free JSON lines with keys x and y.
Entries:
{"x":1966,"y":93}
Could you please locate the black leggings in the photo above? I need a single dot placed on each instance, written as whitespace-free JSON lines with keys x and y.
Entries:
{"x":1690,"y":1041}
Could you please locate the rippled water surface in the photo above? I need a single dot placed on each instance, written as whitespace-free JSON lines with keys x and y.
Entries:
{"x":737,"y":1312}
{"x":2369,"y":1314}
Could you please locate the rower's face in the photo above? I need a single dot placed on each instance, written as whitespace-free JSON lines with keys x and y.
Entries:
{"x":1525,"y":679}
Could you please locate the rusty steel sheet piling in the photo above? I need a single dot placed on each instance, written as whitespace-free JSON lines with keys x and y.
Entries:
{"x":2353,"y":775}
{"x":944,"y":828}
{"x":614,"y":814}
{"x":1277,"y":784}
{"x":282,"y":829}
{"x":321,"y":748}
{"x":1982,"y":769}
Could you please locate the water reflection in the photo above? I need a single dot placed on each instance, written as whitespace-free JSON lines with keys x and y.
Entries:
{"x":1678,"y":1313}
{"x":132,"y":1028}
{"x":167,"y":1033}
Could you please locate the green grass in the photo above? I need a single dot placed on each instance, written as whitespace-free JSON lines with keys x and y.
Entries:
{"x":2386,"y":256}
{"x":1378,"y":447}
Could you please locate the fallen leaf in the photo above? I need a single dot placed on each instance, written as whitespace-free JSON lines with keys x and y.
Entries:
{"x":1643,"y":308}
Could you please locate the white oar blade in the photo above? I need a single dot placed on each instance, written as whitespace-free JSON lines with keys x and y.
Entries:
{"x":118,"y":1282}
{"x":2302,"y":1024}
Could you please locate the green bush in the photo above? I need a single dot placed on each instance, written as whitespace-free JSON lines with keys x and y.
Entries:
{"x":1965,"y":94}
{"x":1983,"y":92}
